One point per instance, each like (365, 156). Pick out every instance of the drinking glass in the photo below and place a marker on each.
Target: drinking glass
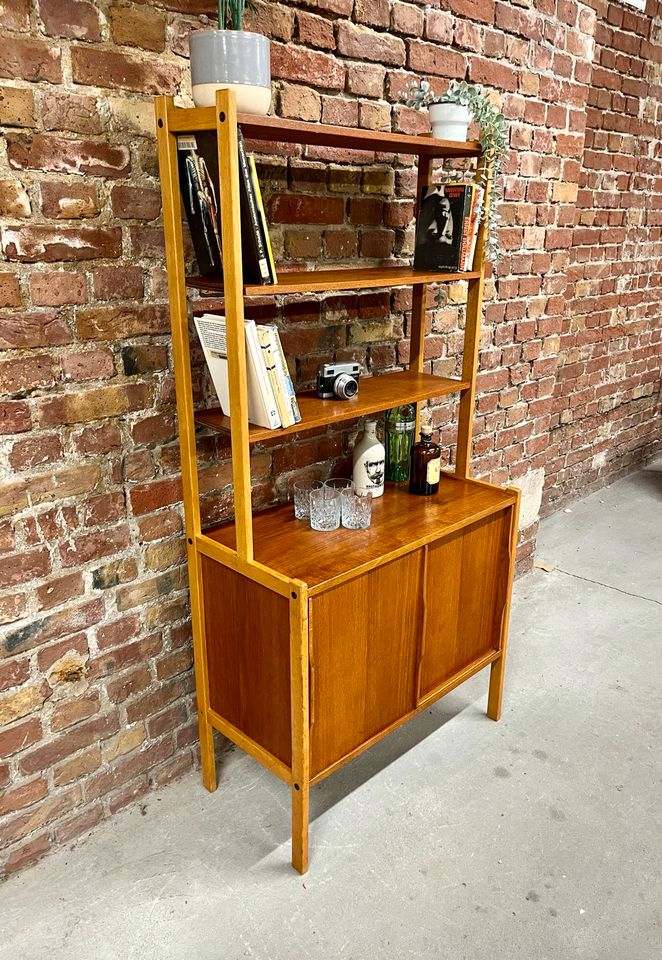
(325, 509)
(302, 489)
(356, 509)
(339, 483)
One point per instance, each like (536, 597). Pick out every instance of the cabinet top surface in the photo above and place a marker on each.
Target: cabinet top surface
(400, 522)
(276, 129)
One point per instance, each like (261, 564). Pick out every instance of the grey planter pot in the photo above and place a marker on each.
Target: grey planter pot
(236, 59)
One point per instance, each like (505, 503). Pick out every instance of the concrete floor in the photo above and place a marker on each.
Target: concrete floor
(538, 837)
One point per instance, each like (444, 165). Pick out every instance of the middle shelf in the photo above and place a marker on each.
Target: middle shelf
(340, 278)
(375, 394)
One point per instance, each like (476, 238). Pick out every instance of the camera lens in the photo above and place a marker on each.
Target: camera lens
(345, 386)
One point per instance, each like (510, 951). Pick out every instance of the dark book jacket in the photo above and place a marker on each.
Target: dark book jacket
(199, 184)
(443, 217)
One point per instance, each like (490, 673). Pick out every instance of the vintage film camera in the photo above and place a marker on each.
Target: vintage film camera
(338, 380)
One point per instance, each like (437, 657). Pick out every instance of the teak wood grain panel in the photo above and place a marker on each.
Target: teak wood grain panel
(338, 278)
(375, 394)
(465, 596)
(276, 129)
(247, 632)
(365, 638)
(400, 522)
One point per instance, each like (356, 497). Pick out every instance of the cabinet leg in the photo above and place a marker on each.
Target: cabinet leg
(207, 755)
(495, 695)
(300, 826)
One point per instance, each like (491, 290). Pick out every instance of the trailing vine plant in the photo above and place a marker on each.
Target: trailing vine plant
(231, 13)
(493, 142)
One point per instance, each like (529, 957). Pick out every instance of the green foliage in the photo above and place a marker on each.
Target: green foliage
(231, 13)
(493, 141)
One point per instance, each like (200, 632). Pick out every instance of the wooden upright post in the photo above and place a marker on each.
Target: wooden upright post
(233, 291)
(471, 346)
(419, 293)
(300, 709)
(174, 249)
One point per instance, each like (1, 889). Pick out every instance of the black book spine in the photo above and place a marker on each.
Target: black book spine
(262, 273)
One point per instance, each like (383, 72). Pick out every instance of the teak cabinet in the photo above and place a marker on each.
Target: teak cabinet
(311, 646)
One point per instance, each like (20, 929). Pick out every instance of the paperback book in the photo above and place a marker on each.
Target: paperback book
(443, 232)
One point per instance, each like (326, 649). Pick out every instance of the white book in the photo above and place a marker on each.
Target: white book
(262, 409)
(271, 363)
(283, 372)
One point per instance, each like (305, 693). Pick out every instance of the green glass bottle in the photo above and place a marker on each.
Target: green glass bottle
(398, 438)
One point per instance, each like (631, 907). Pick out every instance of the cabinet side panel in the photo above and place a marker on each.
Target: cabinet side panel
(248, 654)
(467, 586)
(365, 637)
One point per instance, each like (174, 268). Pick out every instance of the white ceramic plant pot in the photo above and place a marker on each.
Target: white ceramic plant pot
(234, 59)
(449, 121)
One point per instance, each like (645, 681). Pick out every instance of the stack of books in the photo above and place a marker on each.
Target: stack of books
(272, 401)
(447, 227)
(198, 179)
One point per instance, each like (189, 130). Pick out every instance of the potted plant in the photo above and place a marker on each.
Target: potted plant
(231, 57)
(450, 116)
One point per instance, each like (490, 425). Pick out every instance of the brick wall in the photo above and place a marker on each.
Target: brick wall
(95, 680)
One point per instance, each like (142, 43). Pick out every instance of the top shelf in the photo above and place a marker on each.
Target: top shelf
(275, 129)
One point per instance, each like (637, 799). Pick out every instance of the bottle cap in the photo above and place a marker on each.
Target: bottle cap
(426, 429)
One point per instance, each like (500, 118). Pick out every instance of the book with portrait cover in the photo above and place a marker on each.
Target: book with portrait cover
(443, 226)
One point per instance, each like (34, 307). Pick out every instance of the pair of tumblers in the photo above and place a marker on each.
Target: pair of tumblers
(328, 504)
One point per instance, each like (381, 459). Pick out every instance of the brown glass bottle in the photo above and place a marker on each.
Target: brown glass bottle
(425, 465)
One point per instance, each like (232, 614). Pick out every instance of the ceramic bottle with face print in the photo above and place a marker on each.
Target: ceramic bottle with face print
(369, 461)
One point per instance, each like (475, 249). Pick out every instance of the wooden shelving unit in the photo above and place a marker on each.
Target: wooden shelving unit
(309, 647)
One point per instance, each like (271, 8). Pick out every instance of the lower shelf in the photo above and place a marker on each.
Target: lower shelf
(400, 523)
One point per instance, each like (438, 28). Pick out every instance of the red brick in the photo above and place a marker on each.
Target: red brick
(118, 283)
(315, 31)
(431, 58)
(63, 111)
(482, 10)
(35, 451)
(30, 60)
(289, 208)
(60, 590)
(58, 288)
(136, 203)
(14, 673)
(18, 376)
(73, 711)
(137, 27)
(22, 796)
(36, 243)
(76, 738)
(92, 546)
(492, 74)
(88, 365)
(19, 736)
(306, 66)
(15, 15)
(111, 69)
(364, 44)
(79, 824)
(68, 201)
(10, 291)
(39, 329)
(93, 404)
(73, 19)
(40, 631)
(111, 323)
(27, 853)
(47, 151)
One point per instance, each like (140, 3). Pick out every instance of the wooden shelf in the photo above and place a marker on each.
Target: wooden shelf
(340, 278)
(375, 394)
(275, 129)
(400, 522)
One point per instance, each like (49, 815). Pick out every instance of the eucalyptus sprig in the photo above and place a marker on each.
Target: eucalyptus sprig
(231, 13)
(493, 142)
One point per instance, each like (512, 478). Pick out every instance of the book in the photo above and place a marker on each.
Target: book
(476, 217)
(443, 218)
(212, 332)
(253, 246)
(199, 185)
(272, 366)
(466, 227)
(263, 219)
(283, 372)
(198, 179)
